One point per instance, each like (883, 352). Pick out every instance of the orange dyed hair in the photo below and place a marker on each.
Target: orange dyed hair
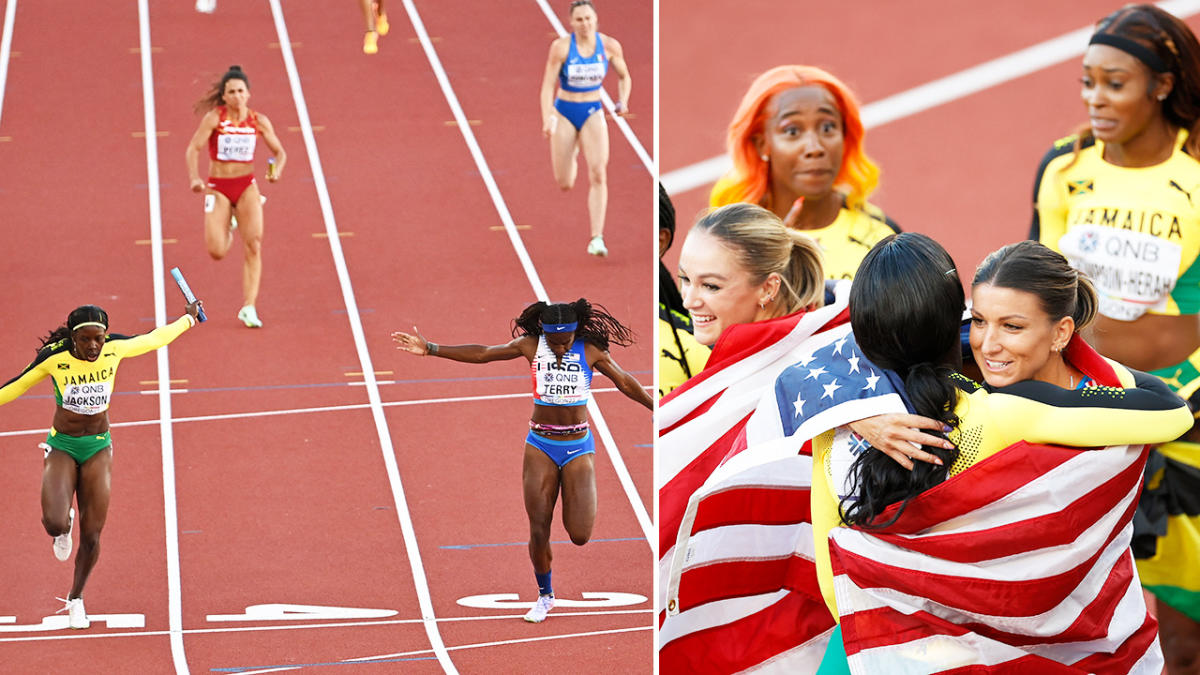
(749, 178)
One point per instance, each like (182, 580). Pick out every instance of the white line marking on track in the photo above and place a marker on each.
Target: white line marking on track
(498, 643)
(614, 453)
(608, 102)
(170, 509)
(364, 357)
(73, 635)
(302, 411)
(937, 92)
(10, 17)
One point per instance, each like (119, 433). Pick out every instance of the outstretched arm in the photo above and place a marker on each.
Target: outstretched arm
(21, 384)
(161, 336)
(417, 344)
(626, 383)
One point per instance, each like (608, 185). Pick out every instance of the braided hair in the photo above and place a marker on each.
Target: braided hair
(596, 325)
(79, 315)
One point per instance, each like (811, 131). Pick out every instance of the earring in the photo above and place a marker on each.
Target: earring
(1162, 97)
(765, 158)
(762, 305)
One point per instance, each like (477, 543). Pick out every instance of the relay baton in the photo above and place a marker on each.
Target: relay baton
(187, 292)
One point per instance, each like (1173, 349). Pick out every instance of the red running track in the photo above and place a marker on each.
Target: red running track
(281, 488)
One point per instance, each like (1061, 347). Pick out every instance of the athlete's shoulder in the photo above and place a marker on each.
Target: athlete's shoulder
(1065, 147)
(876, 214)
(44, 354)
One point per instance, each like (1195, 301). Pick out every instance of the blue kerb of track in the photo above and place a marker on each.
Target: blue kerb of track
(290, 666)
(467, 547)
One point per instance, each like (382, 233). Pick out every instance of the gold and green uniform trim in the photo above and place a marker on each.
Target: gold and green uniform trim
(82, 448)
(1134, 230)
(86, 387)
(991, 420)
(1166, 546)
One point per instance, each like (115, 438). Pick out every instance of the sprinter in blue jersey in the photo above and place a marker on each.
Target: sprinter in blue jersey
(564, 343)
(574, 119)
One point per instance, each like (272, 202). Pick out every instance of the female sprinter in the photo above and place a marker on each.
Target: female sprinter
(564, 343)
(905, 312)
(229, 129)
(1121, 201)
(797, 144)
(754, 290)
(377, 25)
(82, 358)
(574, 119)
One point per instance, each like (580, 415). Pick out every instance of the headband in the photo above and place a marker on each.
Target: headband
(89, 323)
(1134, 49)
(559, 327)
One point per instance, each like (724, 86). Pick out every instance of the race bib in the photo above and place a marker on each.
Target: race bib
(561, 384)
(236, 147)
(87, 399)
(582, 75)
(1133, 272)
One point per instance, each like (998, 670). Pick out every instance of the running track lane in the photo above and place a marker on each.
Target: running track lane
(446, 300)
(223, 464)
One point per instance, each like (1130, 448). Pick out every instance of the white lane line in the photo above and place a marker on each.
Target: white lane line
(498, 643)
(937, 92)
(367, 368)
(170, 509)
(10, 18)
(303, 411)
(72, 635)
(608, 102)
(531, 274)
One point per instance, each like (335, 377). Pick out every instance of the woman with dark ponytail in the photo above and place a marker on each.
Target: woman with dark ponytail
(228, 133)
(978, 518)
(1121, 200)
(564, 343)
(914, 332)
(81, 356)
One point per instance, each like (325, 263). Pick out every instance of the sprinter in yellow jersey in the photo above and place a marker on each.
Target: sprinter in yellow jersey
(81, 358)
(1122, 201)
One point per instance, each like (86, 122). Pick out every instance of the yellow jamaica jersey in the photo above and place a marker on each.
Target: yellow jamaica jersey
(845, 241)
(1134, 231)
(86, 387)
(991, 421)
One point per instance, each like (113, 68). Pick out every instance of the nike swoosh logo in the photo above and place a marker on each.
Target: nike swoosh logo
(571, 452)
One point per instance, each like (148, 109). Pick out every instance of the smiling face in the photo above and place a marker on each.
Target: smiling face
(804, 140)
(717, 290)
(87, 342)
(1013, 338)
(236, 93)
(1120, 93)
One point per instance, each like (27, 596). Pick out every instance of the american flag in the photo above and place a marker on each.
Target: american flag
(740, 582)
(1042, 533)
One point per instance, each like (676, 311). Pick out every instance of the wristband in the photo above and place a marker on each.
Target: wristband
(431, 348)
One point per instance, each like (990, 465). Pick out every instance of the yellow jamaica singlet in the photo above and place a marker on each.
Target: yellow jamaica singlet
(1134, 231)
(86, 387)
